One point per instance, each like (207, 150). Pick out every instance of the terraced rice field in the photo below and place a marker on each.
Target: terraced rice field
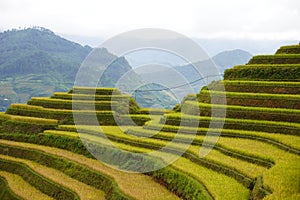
(255, 154)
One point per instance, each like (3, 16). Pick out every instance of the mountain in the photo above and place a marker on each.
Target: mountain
(37, 62)
(228, 59)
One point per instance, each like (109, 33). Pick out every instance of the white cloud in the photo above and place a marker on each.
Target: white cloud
(271, 19)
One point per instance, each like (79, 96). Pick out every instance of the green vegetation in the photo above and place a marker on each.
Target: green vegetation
(252, 86)
(275, 59)
(252, 141)
(249, 99)
(291, 49)
(5, 191)
(94, 91)
(178, 119)
(244, 112)
(264, 72)
(42, 183)
(22, 188)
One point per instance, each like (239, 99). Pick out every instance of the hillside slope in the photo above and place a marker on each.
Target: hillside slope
(255, 156)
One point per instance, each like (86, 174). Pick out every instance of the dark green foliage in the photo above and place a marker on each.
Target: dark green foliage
(276, 59)
(75, 105)
(292, 49)
(43, 184)
(242, 112)
(275, 73)
(179, 183)
(65, 116)
(5, 191)
(90, 97)
(248, 99)
(206, 122)
(94, 91)
(13, 126)
(257, 86)
(133, 120)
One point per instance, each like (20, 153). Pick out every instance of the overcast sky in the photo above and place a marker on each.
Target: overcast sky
(230, 19)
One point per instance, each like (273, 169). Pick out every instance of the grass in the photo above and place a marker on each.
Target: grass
(84, 191)
(22, 188)
(135, 185)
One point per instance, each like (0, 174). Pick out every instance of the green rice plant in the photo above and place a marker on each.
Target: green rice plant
(72, 104)
(178, 119)
(42, 183)
(94, 91)
(33, 120)
(81, 176)
(275, 59)
(280, 179)
(244, 112)
(134, 119)
(258, 72)
(68, 96)
(64, 116)
(291, 49)
(22, 188)
(138, 185)
(5, 191)
(210, 178)
(116, 134)
(198, 140)
(154, 111)
(272, 87)
(249, 99)
(30, 125)
(286, 142)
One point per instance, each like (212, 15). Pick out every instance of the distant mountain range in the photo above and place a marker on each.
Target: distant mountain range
(37, 62)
